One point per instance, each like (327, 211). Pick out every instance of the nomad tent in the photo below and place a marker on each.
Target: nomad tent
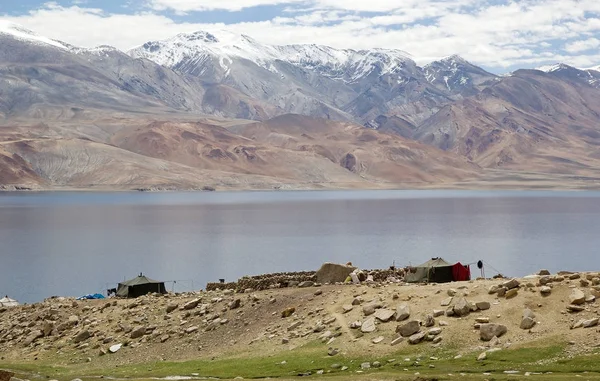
(439, 271)
(8, 302)
(141, 285)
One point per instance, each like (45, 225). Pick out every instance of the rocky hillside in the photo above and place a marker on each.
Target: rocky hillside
(473, 319)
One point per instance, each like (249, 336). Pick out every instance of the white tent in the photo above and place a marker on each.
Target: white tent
(8, 302)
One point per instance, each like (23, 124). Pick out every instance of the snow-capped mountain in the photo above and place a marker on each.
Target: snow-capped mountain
(19, 32)
(197, 48)
(456, 75)
(590, 76)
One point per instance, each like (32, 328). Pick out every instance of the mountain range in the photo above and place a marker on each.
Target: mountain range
(224, 110)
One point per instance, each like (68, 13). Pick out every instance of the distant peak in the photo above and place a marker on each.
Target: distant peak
(454, 58)
(554, 67)
(21, 33)
(200, 35)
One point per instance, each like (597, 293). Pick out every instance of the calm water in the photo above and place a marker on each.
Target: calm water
(78, 243)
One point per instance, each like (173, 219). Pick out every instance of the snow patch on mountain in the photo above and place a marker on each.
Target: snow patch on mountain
(224, 46)
(19, 32)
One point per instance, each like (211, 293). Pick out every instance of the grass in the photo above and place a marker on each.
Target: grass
(311, 358)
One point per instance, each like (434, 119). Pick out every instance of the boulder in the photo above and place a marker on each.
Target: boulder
(527, 323)
(545, 290)
(172, 307)
(446, 302)
(408, 329)
(429, 321)
(368, 325)
(32, 337)
(115, 348)
(82, 336)
(545, 280)
(577, 297)
(235, 304)
(402, 312)
(191, 304)
(288, 312)
(384, 315)
(543, 272)
(510, 284)
(369, 309)
(511, 293)
(416, 338)
(333, 273)
(138, 332)
(501, 292)
(528, 313)
(462, 307)
(590, 323)
(490, 330)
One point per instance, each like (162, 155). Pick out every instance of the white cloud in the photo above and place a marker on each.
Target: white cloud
(518, 32)
(582, 45)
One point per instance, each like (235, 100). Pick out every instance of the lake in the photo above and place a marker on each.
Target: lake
(73, 244)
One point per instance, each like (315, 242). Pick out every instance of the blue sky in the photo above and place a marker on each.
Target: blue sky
(499, 35)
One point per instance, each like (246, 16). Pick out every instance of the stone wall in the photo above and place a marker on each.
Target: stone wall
(279, 280)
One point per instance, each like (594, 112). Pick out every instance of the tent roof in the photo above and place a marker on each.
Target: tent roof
(8, 302)
(435, 262)
(140, 279)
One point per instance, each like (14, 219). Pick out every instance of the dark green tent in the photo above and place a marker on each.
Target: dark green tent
(140, 285)
(437, 270)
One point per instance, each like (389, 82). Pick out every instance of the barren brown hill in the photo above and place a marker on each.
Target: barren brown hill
(530, 121)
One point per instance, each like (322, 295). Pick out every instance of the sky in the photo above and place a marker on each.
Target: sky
(499, 35)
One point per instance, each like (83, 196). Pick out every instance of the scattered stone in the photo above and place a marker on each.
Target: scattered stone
(574, 276)
(543, 272)
(446, 302)
(397, 340)
(429, 321)
(347, 308)
(138, 332)
(590, 323)
(82, 336)
(191, 304)
(545, 280)
(527, 323)
(438, 313)
(434, 331)
(376, 364)
(462, 307)
(510, 284)
(306, 283)
(235, 304)
(191, 329)
(545, 290)
(6, 375)
(333, 351)
(384, 315)
(482, 320)
(285, 340)
(483, 305)
(501, 292)
(408, 329)
(489, 330)
(294, 325)
(416, 338)
(493, 289)
(368, 325)
(365, 365)
(357, 301)
(437, 339)
(574, 308)
(288, 312)
(377, 340)
(402, 312)
(318, 292)
(115, 348)
(172, 307)
(482, 356)
(369, 309)
(512, 293)
(577, 297)
(528, 313)
(333, 273)
(355, 324)
(451, 292)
